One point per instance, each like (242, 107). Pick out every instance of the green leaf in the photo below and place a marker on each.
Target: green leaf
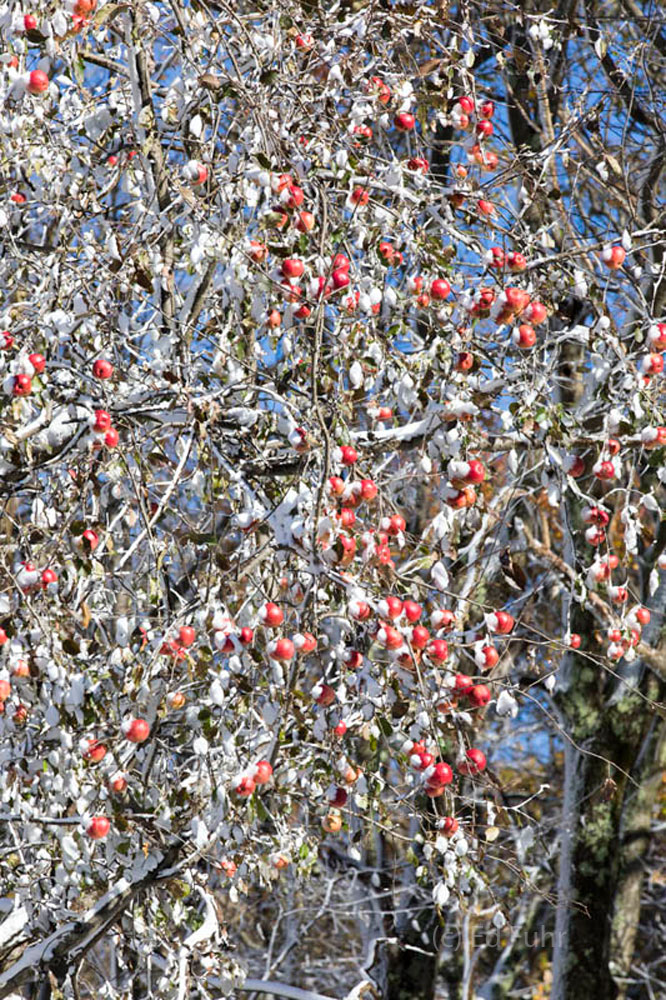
(79, 70)
(385, 726)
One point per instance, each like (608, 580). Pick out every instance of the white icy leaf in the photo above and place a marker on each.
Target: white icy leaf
(506, 704)
(356, 375)
(439, 575)
(440, 894)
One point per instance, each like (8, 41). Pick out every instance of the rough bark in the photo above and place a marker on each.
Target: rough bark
(610, 789)
(634, 844)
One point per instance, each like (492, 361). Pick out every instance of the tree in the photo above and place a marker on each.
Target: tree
(332, 457)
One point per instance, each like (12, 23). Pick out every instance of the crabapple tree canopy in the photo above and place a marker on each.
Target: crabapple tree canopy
(332, 440)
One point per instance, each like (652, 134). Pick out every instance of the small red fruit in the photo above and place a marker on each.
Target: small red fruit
(292, 267)
(441, 775)
(474, 763)
(463, 684)
(186, 634)
(38, 82)
(305, 222)
(359, 196)
(136, 730)
(326, 695)
(245, 787)
(271, 615)
(480, 695)
(102, 368)
(440, 289)
(413, 611)
(98, 827)
(420, 637)
(613, 257)
(118, 784)
(90, 538)
(396, 525)
(282, 649)
(524, 337)
(263, 772)
(404, 121)
(102, 420)
(22, 385)
(95, 751)
(438, 650)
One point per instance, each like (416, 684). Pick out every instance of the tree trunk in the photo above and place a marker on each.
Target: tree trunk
(610, 787)
(405, 967)
(634, 844)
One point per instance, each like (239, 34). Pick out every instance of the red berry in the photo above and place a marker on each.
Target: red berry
(441, 775)
(282, 649)
(404, 121)
(438, 650)
(397, 524)
(95, 751)
(474, 763)
(38, 362)
(102, 368)
(325, 696)
(292, 267)
(420, 637)
(98, 827)
(479, 695)
(186, 634)
(91, 539)
(136, 730)
(22, 385)
(263, 772)
(38, 82)
(463, 684)
(272, 615)
(360, 196)
(613, 257)
(440, 289)
(102, 420)
(413, 611)
(245, 787)
(338, 797)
